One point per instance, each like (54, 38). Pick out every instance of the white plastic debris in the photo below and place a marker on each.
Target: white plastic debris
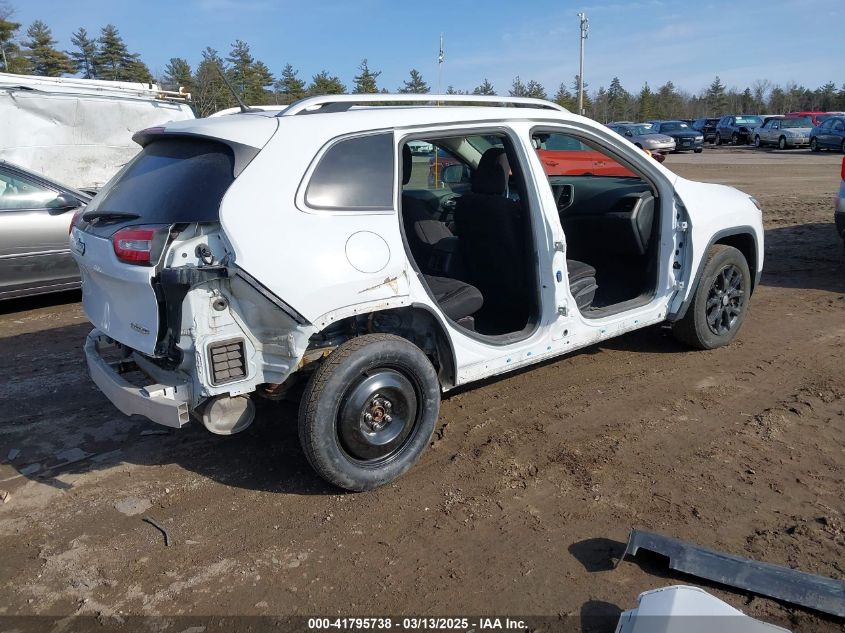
(683, 609)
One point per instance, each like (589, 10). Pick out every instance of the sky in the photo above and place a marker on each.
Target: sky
(639, 41)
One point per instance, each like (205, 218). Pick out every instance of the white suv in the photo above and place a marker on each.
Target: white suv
(256, 252)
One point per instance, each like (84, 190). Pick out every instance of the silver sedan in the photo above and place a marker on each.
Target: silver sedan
(640, 134)
(35, 216)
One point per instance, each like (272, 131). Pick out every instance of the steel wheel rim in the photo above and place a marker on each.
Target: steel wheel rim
(725, 300)
(377, 416)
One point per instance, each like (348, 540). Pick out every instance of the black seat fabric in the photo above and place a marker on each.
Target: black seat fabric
(582, 283)
(455, 298)
(492, 244)
(421, 230)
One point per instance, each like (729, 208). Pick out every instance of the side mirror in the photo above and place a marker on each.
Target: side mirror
(454, 175)
(64, 202)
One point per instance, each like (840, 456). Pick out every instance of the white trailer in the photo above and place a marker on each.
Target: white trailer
(79, 131)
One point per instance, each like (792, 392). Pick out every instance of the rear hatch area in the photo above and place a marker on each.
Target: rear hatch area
(121, 239)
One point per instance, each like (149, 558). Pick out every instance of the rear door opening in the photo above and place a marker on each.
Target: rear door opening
(120, 240)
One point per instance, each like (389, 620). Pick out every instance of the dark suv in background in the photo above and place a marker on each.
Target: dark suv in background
(707, 127)
(686, 138)
(736, 128)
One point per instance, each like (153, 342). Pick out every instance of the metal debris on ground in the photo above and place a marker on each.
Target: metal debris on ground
(5, 496)
(159, 526)
(774, 581)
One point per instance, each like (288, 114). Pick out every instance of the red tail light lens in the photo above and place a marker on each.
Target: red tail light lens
(140, 245)
(73, 221)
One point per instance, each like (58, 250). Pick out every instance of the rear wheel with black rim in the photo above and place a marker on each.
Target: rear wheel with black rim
(735, 138)
(720, 302)
(369, 411)
(814, 144)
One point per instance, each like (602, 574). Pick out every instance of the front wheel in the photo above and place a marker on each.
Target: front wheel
(814, 144)
(757, 142)
(720, 302)
(718, 139)
(782, 142)
(369, 411)
(698, 150)
(735, 139)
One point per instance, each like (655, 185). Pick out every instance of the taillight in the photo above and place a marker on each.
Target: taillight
(75, 219)
(139, 245)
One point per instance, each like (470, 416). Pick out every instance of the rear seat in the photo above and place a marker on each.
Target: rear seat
(457, 299)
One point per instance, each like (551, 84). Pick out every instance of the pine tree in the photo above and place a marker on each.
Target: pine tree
(210, 93)
(717, 101)
(177, 74)
(324, 84)
(535, 90)
(248, 76)
(85, 53)
(618, 101)
(518, 88)
(486, 89)
(670, 104)
(289, 86)
(645, 109)
(44, 59)
(365, 82)
(114, 61)
(564, 98)
(415, 84)
(10, 53)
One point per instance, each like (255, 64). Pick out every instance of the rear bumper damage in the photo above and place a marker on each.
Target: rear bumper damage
(166, 404)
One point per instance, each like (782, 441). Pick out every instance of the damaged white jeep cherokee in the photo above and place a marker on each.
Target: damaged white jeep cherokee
(245, 254)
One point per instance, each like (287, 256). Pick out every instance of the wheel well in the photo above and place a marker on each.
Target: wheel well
(744, 243)
(415, 324)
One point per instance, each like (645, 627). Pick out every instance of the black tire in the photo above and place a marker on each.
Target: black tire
(734, 139)
(814, 144)
(380, 376)
(718, 139)
(782, 142)
(720, 303)
(757, 142)
(698, 150)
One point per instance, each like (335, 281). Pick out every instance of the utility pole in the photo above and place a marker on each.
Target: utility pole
(584, 25)
(440, 58)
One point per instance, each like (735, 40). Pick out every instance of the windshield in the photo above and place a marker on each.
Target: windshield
(672, 126)
(748, 120)
(804, 121)
(639, 130)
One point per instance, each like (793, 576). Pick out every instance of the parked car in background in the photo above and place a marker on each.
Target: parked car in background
(839, 211)
(813, 115)
(828, 115)
(643, 136)
(707, 127)
(736, 128)
(418, 148)
(829, 135)
(686, 138)
(786, 132)
(35, 219)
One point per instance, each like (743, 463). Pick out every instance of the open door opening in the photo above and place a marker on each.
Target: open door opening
(467, 225)
(610, 217)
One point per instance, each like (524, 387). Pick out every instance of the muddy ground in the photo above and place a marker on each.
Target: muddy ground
(521, 505)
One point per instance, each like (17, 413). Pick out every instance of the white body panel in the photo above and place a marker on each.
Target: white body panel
(329, 265)
(76, 131)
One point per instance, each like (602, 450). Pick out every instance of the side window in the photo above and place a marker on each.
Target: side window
(564, 155)
(17, 193)
(434, 166)
(775, 124)
(838, 125)
(354, 174)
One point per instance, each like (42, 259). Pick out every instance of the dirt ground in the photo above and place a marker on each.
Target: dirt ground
(523, 502)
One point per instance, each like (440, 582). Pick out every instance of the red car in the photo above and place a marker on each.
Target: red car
(813, 115)
(565, 156)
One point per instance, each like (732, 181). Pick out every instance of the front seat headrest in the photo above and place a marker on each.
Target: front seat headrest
(491, 176)
(406, 164)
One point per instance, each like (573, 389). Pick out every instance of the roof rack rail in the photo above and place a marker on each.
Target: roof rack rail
(341, 103)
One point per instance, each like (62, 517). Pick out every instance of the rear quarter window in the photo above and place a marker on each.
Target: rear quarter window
(354, 174)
